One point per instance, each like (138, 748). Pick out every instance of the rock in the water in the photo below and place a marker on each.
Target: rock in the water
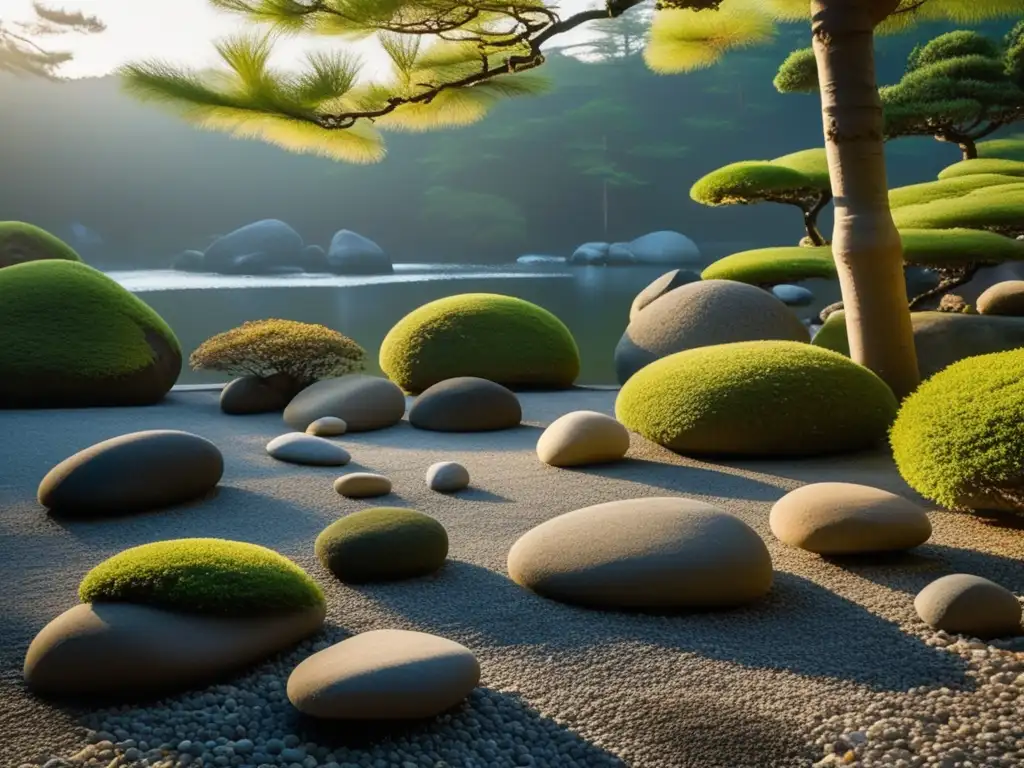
(382, 544)
(362, 485)
(133, 473)
(846, 518)
(667, 282)
(582, 437)
(447, 477)
(1005, 298)
(363, 402)
(314, 259)
(668, 248)
(251, 394)
(969, 605)
(384, 674)
(590, 254)
(280, 244)
(654, 553)
(327, 426)
(703, 314)
(188, 261)
(466, 404)
(793, 295)
(300, 448)
(129, 649)
(353, 254)
(619, 255)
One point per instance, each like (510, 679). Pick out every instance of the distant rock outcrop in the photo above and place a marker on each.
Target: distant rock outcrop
(258, 248)
(662, 248)
(352, 254)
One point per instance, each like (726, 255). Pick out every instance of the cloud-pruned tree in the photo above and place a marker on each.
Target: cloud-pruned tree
(21, 48)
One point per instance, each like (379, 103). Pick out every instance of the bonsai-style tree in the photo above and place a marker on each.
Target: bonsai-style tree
(20, 51)
(800, 179)
(481, 51)
(959, 87)
(998, 209)
(947, 188)
(768, 267)
(987, 165)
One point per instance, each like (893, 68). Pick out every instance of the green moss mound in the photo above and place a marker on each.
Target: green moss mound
(992, 209)
(812, 163)
(382, 544)
(956, 247)
(757, 398)
(832, 334)
(64, 317)
(1010, 148)
(500, 338)
(21, 242)
(208, 576)
(983, 165)
(750, 182)
(959, 438)
(773, 266)
(958, 186)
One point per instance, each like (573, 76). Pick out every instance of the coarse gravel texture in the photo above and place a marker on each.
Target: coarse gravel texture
(833, 667)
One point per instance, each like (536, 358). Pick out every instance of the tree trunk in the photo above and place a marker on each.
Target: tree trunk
(968, 146)
(865, 243)
(811, 218)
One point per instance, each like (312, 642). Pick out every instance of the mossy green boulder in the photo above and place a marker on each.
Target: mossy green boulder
(500, 338)
(21, 242)
(75, 338)
(206, 576)
(757, 398)
(959, 438)
(382, 544)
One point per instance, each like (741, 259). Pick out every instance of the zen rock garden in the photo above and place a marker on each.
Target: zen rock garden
(471, 560)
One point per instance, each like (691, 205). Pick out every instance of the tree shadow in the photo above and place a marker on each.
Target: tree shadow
(479, 495)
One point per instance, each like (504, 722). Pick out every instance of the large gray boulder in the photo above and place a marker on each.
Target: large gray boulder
(363, 402)
(662, 285)
(279, 244)
(590, 254)
(188, 261)
(667, 248)
(620, 255)
(703, 314)
(352, 254)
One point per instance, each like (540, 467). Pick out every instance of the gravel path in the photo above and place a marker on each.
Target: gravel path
(832, 667)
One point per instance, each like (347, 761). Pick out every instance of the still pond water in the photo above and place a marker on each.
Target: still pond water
(592, 301)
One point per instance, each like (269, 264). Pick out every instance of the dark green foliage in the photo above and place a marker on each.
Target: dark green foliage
(21, 242)
(798, 73)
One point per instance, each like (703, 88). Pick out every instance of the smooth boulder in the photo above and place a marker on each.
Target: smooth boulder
(666, 247)
(363, 402)
(590, 254)
(250, 395)
(300, 448)
(466, 404)
(582, 437)
(652, 553)
(846, 518)
(133, 473)
(362, 485)
(327, 426)
(384, 674)
(447, 477)
(352, 254)
(702, 314)
(969, 605)
(188, 261)
(279, 243)
(659, 287)
(1005, 298)
(127, 649)
(793, 295)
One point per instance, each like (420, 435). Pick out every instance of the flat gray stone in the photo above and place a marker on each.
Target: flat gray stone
(364, 403)
(300, 448)
(466, 404)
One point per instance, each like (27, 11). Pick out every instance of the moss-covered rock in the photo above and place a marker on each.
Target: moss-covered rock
(75, 338)
(21, 242)
(500, 338)
(760, 398)
(959, 438)
(382, 544)
(208, 576)
(774, 266)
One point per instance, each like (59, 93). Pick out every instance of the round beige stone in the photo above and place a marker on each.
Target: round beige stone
(385, 674)
(1005, 298)
(846, 518)
(654, 553)
(582, 437)
(327, 426)
(362, 485)
(969, 605)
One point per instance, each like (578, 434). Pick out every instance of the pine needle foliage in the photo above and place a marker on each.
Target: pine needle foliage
(21, 52)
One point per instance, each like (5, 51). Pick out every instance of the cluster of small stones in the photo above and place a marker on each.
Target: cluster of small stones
(251, 724)
(977, 723)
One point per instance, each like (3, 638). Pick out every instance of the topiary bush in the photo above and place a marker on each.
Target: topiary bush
(501, 338)
(983, 165)
(773, 266)
(382, 544)
(21, 242)
(302, 352)
(957, 186)
(757, 398)
(959, 438)
(993, 208)
(208, 576)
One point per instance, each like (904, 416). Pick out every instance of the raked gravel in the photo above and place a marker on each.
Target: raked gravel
(832, 668)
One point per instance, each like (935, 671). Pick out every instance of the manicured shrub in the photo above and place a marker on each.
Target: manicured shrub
(209, 576)
(304, 352)
(774, 266)
(500, 338)
(1010, 148)
(992, 208)
(959, 438)
(21, 242)
(957, 186)
(382, 544)
(757, 398)
(983, 165)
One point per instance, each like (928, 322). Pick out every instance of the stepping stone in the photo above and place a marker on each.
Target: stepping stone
(385, 674)
(582, 437)
(364, 403)
(300, 448)
(969, 605)
(447, 477)
(466, 404)
(133, 473)
(654, 553)
(845, 518)
(249, 395)
(361, 485)
(327, 426)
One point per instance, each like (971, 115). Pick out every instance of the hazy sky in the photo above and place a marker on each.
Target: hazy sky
(177, 30)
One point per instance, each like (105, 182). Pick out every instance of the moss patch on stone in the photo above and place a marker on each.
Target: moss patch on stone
(21, 242)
